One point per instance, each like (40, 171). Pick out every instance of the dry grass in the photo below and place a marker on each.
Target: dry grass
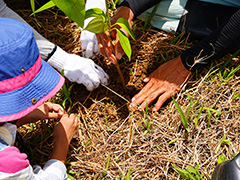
(110, 131)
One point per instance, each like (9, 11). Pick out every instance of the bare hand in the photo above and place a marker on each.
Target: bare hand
(64, 131)
(163, 83)
(43, 112)
(103, 39)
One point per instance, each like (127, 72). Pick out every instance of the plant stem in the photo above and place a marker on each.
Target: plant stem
(112, 47)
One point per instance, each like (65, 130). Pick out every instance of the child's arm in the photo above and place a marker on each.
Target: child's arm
(44, 111)
(55, 169)
(64, 131)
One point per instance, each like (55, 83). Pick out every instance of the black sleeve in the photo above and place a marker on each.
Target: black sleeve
(223, 40)
(139, 6)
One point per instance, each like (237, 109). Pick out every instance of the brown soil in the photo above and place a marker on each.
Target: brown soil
(129, 139)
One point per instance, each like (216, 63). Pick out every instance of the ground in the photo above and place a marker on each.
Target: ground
(116, 142)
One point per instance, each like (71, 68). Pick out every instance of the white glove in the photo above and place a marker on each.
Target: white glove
(78, 69)
(88, 39)
(89, 43)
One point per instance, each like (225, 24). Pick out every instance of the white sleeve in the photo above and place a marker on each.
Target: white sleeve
(53, 169)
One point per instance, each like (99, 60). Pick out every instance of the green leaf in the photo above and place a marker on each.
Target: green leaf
(106, 167)
(70, 177)
(44, 7)
(97, 25)
(183, 118)
(183, 173)
(95, 12)
(228, 142)
(74, 9)
(189, 107)
(32, 5)
(124, 41)
(124, 24)
(172, 141)
(223, 140)
(213, 110)
(228, 61)
(221, 159)
(191, 176)
(194, 171)
(233, 71)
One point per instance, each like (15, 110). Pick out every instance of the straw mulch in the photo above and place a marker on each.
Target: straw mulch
(114, 140)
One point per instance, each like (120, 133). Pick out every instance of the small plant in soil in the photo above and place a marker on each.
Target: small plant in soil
(101, 22)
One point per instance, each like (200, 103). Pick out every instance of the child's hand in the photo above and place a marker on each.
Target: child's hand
(43, 112)
(64, 131)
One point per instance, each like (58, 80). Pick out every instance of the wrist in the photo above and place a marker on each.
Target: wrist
(184, 70)
(30, 118)
(57, 60)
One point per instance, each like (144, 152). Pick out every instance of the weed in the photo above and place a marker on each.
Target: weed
(209, 110)
(70, 173)
(128, 176)
(189, 173)
(106, 167)
(223, 141)
(184, 118)
(236, 95)
(197, 113)
(66, 93)
(221, 159)
(229, 59)
(172, 141)
(87, 143)
(147, 121)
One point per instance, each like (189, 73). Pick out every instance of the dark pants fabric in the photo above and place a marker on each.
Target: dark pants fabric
(203, 18)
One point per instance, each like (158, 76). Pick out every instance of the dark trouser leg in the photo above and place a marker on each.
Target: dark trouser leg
(203, 18)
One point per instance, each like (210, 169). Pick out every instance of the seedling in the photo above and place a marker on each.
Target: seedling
(75, 10)
(101, 22)
(209, 110)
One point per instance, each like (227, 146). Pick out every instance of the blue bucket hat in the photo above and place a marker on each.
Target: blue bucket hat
(26, 81)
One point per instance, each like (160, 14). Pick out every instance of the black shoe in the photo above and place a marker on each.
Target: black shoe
(228, 170)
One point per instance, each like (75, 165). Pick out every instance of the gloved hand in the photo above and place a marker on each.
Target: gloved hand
(89, 43)
(78, 69)
(88, 39)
